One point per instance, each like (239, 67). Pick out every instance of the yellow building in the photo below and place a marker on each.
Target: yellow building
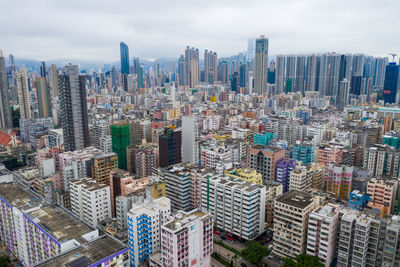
(102, 165)
(247, 175)
(157, 189)
(174, 113)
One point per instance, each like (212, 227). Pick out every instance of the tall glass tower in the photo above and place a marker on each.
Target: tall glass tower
(391, 83)
(261, 65)
(124, 50)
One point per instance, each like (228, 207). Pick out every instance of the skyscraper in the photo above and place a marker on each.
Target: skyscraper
(192, 66)
(23, 94)
(311, 73)
(300, 73)
(5, 110)
(261, 65)
(120, 141)
(181, 70)
(189, 136)
(170, 143)
(280, 74)
(344, 89)
(43, 97)
(290, 72)
(124, 50)
(54, 79)
(391, 83)
(251, 49)
(210, 66)
(244, 76)
(74, 115)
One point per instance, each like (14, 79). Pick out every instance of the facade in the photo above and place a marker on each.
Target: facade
(304, 152)
(120, 141)
(329, 154)
(263, 138)
(177, 180)
(338, 180)
(5, 109)
(383, 192)
(43, 97)
(124, 51)
(170, 145)
(231, 202)
(187, 240)
(263, 160)
(142, 158)
(284, 168)
(102, 165)
(73, 106)
(247, 175)
(90, 201)
(23, 94)
(391, 83)
(56, 137)
(144, 229)
(300, 179)
(291, 216)
(382, 160)
(261, 66)
(30, 128)
(323, 232)
(190, 147)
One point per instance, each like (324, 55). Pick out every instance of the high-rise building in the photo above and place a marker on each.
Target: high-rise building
(30, 128)
(344, 93)
(291, 214)
(391, 83)
(54, 79)
(300, 179)
(338, 180)
(5, 109)
(90, 201)
(323, 233)
(244, 76)
(102, 165)
(43, 97)
(280, 74)
(187, 240)
(210, 66)
(181, 70)
(144, 229)
(23, 94)
(261, 66)
(192, 72)
(383, 192)
(124, 51)
(190, 147)
(74, 115)
(263, 159)
(229, 200)
(283, 172)
(141, 159)
(170, 143)
(120, 141)
(311, 73)
(382, 160)
(300, 73)
(303, 151)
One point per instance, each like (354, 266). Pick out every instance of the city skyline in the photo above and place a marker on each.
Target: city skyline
(355, 27)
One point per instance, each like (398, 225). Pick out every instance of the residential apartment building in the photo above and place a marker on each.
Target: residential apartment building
(142, 158)
(382, 160)
(323, 232)
(187, 240)
(329, 154)
(383, 192)
(338, 180)
(300, 179)
(237, 206)
(291, 215)
(247, 175)
(102, 165)
(144, 229)
(284, 168)
(263, 159)
(90, 201)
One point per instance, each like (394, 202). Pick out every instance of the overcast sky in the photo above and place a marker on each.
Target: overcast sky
(92, 30)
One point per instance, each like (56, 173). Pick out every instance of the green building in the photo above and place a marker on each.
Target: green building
(263, 138)
(120, 141)
(393, 141)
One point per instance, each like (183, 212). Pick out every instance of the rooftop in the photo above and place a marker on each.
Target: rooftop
(296, 199)
(182, 218)
(91, 253)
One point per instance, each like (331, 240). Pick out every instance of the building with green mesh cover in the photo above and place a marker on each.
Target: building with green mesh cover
(120, 141)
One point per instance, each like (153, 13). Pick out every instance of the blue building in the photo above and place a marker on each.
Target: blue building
(358, 201)
(304, 115)
(124, 50)
(303, 152)
(391, 83)
(263, 138)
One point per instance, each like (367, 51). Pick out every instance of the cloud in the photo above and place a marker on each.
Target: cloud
(92, 30)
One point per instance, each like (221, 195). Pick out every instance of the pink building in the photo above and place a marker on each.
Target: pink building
(383, 192)
(123, 183)
(187, 239)
(50, 153)
(211, 123)
(338, 180)
(329, 154)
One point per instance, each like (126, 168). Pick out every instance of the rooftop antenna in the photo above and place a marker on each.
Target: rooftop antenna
(393, 55)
